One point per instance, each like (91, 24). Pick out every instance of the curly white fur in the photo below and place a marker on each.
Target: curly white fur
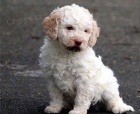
(75, 75)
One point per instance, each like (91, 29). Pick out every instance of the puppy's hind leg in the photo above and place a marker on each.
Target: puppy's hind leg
(56, 102)
(114, 102)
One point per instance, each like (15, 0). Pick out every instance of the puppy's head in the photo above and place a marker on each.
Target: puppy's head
(73, 26)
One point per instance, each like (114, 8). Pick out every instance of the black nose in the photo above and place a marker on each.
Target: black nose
(78, 43)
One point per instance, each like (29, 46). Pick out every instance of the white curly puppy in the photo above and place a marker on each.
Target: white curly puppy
(75, 75)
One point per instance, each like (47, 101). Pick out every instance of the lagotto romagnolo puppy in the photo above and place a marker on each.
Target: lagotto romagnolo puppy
(77, 78)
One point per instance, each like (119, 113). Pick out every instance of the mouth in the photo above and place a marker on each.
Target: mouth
(74, 48)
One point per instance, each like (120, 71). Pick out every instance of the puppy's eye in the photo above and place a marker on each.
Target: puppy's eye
(86, 30)
(70, 28)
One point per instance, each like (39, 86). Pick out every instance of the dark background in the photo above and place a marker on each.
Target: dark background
(23, 90)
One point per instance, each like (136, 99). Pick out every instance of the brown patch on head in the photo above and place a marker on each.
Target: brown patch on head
(51, 24)
(95, 34)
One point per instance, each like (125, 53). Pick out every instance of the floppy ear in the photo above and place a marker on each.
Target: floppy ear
(51, 24)
(94, 35)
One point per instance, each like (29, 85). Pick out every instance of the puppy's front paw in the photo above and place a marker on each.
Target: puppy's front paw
(77, 112)
(122, 108)
(52, 109)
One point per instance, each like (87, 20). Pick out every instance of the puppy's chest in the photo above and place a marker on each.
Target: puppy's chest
(65, 77)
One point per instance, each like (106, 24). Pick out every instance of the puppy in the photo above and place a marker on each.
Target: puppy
(77, 78)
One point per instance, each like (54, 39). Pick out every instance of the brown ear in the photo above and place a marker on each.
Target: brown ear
(51, 24)
(95, 34)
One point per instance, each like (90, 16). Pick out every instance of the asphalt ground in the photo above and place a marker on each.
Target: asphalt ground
(23, 88)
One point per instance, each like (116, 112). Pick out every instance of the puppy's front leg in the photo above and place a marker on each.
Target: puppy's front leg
(56, 102)
(82, 100)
